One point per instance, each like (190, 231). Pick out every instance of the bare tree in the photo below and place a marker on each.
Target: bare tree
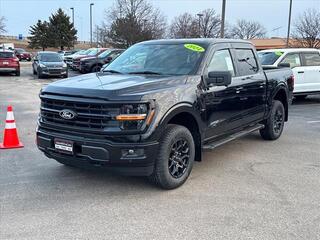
(306, 31)
(184, 26)
(210, 24)
(188, 26)
(244, 29)
(2, 25)
(132, 21)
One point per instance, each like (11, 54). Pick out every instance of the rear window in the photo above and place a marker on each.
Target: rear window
(246, 61)
(6, 54)
(269, 58)
(311, 59)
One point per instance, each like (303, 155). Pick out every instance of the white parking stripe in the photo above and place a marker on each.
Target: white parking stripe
(314, 121)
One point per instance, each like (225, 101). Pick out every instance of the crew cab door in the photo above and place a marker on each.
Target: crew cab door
(311, 66)
(252, 84)
(223, 111)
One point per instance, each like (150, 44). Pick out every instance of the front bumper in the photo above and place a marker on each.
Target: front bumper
(52, 72)
(101, 153)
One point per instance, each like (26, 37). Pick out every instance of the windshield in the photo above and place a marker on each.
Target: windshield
(50, 57)
(167, 59)
(104, 54)
(93, 52)
(83, 52)
(6, 55)
(269, 58)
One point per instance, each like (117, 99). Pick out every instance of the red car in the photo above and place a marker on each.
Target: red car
(92, 53)
(23, 54)
(9, 63)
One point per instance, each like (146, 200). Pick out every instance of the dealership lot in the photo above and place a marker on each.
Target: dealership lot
(247, 189)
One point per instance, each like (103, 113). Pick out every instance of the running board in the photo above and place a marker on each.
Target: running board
(213, 145)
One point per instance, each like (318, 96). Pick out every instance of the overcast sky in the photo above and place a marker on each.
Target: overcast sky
(20, 14)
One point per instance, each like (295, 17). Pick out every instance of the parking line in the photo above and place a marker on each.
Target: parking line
(314, 121)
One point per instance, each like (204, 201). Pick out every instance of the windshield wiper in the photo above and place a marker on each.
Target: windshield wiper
(112, 71)
(146, 72)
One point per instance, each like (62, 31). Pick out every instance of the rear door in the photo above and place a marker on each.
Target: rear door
(311, 65)
(252, 84)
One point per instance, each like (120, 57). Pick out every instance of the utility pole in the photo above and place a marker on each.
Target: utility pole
(289, 23)
(72, 9)
(91, 4)
(223, 18)
(200, 15)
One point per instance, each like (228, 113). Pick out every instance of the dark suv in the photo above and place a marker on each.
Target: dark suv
(95, 63)
(46, 64)
(154, 108)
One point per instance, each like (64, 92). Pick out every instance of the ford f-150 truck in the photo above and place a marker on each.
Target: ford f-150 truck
(154, 109)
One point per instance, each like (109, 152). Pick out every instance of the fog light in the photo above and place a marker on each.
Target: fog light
(132, 153)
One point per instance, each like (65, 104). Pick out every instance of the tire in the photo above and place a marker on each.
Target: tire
(301, 97)
(39, 75)
(18, 73)
(34, 72)
(96, 68)
(170, 170)
(275, 123)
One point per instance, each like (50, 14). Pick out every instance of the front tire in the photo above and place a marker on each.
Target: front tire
(18, 73)
(175, 157)
(96, 68)
(275, 123)
(301, 97)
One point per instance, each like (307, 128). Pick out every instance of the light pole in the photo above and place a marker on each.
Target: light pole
(223, 17)
(289, 23)
(91, 4)
(200, 15)
(72, 9)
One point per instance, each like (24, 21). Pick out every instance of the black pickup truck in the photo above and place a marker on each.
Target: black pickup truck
(159, 104)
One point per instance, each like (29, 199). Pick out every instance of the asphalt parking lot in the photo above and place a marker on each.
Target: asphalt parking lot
(246, 189)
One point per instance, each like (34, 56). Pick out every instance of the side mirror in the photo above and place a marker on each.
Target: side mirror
(222, 78)
(284, 65)
(108, 59)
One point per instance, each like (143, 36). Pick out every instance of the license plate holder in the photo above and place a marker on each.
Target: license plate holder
(64, 146)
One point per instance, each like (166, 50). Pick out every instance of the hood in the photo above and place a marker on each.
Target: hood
(114, 86)
(88, 58)
(53, 64)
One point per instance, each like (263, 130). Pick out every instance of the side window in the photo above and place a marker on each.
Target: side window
(311, 59)
(221, 61)
(246, 61)
(292, 59)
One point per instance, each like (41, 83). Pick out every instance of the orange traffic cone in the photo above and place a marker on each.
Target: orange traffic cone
(10, 137)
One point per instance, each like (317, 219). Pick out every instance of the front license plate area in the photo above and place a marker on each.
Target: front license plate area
(63, 146)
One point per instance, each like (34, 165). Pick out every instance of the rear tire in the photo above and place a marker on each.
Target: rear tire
(175, 157)
(96, 68)
(18, 73)
(275, 122)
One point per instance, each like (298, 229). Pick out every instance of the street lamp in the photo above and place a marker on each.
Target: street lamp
(223, 17)
(72, 9)
(91, 4)
(200, 15)
(289, 23)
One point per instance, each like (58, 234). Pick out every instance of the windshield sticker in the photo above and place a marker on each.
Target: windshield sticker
(278, 53)
(194, 47)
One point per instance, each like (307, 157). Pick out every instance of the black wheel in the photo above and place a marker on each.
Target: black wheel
(96, 68)
(275, 123)
(175, 157)
(39, 75)
(34, 72)
(301, 97)
(18, 73)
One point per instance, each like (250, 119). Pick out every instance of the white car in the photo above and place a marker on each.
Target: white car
(305, 64)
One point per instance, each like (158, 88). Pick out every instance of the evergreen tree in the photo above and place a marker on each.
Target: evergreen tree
(61, 31)
(39, 35)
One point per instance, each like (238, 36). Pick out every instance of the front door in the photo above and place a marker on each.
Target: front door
(311, 63)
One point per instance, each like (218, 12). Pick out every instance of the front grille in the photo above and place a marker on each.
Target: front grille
(54, 71)
(91, 117)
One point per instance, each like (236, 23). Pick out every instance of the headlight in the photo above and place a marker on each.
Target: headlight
(135, 116)
(64, 65)
(42, 65)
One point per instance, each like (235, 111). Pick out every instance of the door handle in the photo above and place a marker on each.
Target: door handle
(301, 72)
(238, 89)
(247, 78)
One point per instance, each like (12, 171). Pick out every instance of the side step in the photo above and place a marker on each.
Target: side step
(213, 145)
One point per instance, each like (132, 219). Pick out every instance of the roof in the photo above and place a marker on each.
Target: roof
(201, 41)
(44, 52)
(292, 50)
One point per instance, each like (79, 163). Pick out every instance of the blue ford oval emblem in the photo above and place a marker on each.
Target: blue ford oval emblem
(67, 114)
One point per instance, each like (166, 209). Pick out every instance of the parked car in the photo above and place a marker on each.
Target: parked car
(23, 54)
(9, 63)
(305, 64)
(94, 52)
(69, 58)
(47, 64)
(155, 107)
(68, 52)
(95, 63)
